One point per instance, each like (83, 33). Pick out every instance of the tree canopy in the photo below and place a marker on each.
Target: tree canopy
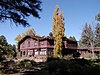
(18, 11)
(87, 38)
(58, 32)
(6, 48)
(29, 32)
(97, 35)
(87, 35)
(72, 38)
(98, 17)
(3, 40)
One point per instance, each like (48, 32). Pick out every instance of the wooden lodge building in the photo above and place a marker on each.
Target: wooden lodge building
(87, 53)
(39, 48)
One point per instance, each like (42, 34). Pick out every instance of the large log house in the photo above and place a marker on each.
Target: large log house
(39, 48)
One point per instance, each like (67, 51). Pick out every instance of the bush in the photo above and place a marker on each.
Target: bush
(8, 67)
(27, 63)
(57, 67)
(72, 67)
(51, 59)
(94, 70)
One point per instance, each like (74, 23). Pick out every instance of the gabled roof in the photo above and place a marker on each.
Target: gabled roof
(43, 38)
(33, 37)
(46, 38)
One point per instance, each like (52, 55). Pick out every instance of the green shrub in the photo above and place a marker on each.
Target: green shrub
(27, 63)
(72, 67)
(94, 70)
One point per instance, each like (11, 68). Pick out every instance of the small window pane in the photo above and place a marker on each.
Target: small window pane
(28, 44)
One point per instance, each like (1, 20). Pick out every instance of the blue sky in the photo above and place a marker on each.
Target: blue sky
(76, 14)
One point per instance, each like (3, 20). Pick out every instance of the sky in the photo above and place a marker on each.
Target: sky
(76, 14)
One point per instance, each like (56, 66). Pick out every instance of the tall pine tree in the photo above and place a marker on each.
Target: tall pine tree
(87, 38)
(84, 42)
(97, 35)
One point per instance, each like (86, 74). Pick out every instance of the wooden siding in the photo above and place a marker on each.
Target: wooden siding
(33, 44)
(35, 47)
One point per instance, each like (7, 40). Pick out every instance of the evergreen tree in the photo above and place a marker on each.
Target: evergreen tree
(97, 35)
(72, 38)
(98, 17)
(58, 32)
(87, 38)
(3, 40)
(6, 49)
(18, 11)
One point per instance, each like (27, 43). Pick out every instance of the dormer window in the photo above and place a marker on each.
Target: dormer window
(28, 43)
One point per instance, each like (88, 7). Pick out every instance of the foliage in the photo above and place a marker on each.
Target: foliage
(27, 63)
(72, 67)
(58, 32)
(49, 59)
(97, 35)
(18, 11)
(94, 70)
(6, 49)
(8, 67)
(87, 35)
(54, 66)
(76, 54)
(18, 37)
(3, 40)
(12, 50)
(98, 17)
(72, 38)
(68, 57)
(29, 32)
(50, 34)
(90, 38)
(87, 38)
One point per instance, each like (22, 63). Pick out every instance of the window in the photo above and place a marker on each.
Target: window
(24, 53)
(43, 52)
(30, 53)
(21, 53)
(28, 43)
(36, 52)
